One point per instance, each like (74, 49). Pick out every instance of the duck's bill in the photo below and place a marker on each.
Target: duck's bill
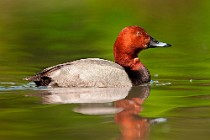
(154, 44)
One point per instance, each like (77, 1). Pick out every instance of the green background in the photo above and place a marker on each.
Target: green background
(35, 34)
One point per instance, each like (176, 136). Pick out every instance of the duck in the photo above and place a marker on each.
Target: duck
(126, 71)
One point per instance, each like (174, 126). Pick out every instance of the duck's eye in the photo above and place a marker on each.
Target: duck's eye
(139, 33)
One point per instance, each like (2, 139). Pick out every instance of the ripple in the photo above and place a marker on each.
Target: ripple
(157, 83)
(7, 86)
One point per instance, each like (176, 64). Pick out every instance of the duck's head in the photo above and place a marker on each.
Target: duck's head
(132, 39)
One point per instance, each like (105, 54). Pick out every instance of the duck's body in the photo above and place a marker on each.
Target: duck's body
(126, 71)
(90, 72)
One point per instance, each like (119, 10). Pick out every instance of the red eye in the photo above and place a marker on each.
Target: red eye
(139, 33)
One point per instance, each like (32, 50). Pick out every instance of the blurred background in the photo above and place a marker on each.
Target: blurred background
(35, 34)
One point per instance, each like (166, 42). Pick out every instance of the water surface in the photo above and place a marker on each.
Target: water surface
(36, 34)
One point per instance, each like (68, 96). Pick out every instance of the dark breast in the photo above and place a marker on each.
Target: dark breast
(138, 77)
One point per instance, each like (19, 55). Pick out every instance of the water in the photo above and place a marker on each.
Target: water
(37, 34)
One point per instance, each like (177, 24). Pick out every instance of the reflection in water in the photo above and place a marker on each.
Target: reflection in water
(133, 126)
(83, 95)
(125, 103)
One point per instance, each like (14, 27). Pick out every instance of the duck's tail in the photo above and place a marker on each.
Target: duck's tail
(32, 78)
(40, 80)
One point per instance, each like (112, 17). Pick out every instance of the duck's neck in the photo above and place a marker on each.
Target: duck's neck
(136, 71)
(126, 58)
